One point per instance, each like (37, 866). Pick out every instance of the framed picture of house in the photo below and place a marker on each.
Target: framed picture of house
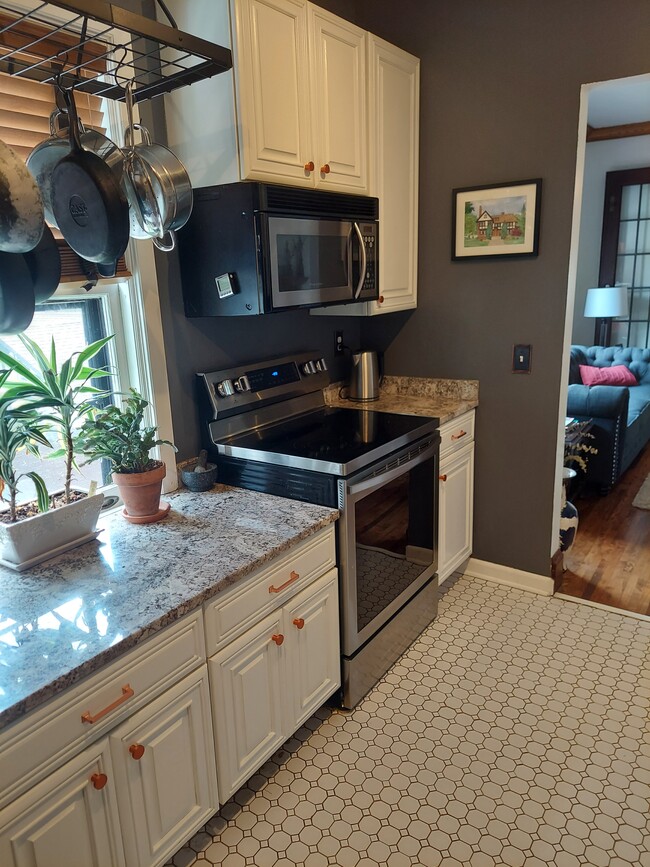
(496, 220)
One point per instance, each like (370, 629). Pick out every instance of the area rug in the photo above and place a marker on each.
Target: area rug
(642, 499)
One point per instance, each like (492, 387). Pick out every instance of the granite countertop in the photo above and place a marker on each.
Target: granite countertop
(444, 399)
(64, 619)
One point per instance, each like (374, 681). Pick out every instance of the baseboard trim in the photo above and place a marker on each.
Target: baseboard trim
(623, 611)
(509, 576)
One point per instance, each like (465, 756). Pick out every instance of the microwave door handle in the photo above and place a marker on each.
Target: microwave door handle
(364, 261)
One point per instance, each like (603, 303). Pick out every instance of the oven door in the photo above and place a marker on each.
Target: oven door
(387, 539)
(314, 262)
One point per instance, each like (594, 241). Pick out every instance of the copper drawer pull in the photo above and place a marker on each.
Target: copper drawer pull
(309, 167)
(137, 751)
(443, 478)
(279, 639)
(299, 623)
(99, 780)
(127, 692)
(293, 576)
(325, 170)
(459, 436)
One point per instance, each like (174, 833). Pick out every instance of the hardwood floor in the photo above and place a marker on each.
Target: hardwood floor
(610, 558)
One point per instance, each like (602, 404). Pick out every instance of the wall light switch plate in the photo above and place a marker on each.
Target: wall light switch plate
(521, 358)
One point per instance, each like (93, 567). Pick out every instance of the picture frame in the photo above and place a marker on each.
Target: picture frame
(496, 220)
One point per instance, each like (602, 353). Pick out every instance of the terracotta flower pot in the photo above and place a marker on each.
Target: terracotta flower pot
(140, 493)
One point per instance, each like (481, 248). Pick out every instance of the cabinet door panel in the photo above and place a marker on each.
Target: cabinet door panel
(273, 89)
(456, 509)
(338, 101)
(166, 794)
(65, 820)
(312, 628)
(245, 684)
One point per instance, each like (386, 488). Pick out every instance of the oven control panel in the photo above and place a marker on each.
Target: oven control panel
(237, 389)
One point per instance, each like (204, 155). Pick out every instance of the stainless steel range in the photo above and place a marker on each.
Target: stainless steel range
(268, 428)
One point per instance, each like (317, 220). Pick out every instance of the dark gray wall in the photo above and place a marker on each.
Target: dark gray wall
(500, 87)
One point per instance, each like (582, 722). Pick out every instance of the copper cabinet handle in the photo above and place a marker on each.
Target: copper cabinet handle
(443, 477)
(309, 167)
(293, 576)
(279, 639)
(325, 170)
(137, 751)
(299, 623)
(459, 436)
(380, 300)
(99, 780)
(127, 692)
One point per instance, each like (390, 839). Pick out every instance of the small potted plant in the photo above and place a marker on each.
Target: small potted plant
(119, 435)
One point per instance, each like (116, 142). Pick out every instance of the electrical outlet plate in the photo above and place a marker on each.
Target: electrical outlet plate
(338, 342)
(521, 357)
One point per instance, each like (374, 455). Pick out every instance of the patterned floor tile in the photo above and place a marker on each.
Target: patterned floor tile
(513, 732)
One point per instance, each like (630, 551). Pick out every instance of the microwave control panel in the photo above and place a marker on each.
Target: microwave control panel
(369, 234)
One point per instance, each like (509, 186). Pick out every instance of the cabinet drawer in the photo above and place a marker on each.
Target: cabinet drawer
(36, 745)
(230, 613)
(456, 433)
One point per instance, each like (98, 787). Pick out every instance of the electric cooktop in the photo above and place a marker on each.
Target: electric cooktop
(334, 440)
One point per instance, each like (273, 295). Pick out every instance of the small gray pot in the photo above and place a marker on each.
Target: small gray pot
(200, 481)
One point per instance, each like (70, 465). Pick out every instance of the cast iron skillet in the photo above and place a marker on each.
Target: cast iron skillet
(16, 294)
(44, 263)
(88, 202)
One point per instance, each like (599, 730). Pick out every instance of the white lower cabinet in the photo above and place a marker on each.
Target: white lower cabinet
(119, 770)
(267, 682)
(455, 502)
(70, 818)
(165, 771)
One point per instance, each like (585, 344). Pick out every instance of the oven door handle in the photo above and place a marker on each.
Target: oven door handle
(369, 485)
(364, 261)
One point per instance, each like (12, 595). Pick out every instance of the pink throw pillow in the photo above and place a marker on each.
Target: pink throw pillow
(618, 374)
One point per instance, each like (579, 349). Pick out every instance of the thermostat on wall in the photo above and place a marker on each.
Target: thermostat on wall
(226, 285)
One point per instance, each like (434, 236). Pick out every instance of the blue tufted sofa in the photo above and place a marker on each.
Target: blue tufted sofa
(621, 415)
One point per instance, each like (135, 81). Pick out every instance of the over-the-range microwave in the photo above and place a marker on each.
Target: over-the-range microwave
(252, 248)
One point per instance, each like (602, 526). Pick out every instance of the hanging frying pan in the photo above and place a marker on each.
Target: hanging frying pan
(89, 205)
(44, 263)
(21, 207)
(48, 153)
(16, 294)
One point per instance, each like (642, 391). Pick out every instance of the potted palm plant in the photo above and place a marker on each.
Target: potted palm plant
(120, 435)
(33, 402)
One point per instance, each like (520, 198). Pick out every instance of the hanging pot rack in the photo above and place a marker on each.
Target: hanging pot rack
(98, 47)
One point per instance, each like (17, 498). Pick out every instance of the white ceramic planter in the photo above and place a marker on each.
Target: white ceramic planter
(36, 539)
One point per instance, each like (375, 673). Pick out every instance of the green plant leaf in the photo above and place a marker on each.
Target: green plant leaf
(19, 368)
(89, 352)
(42, 496)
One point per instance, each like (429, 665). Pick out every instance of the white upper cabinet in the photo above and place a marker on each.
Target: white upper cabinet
(337, 72)
(270, 48)
(300, 76)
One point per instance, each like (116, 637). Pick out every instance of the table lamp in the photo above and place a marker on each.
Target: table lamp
(604, 303)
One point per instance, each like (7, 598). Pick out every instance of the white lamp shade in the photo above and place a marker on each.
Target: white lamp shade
(606, 301)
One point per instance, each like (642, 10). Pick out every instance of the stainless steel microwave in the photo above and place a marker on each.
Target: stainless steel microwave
(253, 248)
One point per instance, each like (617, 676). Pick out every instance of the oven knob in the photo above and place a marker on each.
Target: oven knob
(308, 368)
(321, 365)
(242, 384)
(225, 388)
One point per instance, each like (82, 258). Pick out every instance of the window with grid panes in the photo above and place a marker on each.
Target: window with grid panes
(625, 252)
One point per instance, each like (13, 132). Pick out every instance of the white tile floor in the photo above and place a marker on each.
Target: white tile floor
(513, 732)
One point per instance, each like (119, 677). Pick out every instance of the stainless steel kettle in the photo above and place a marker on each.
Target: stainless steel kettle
(366, 375)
